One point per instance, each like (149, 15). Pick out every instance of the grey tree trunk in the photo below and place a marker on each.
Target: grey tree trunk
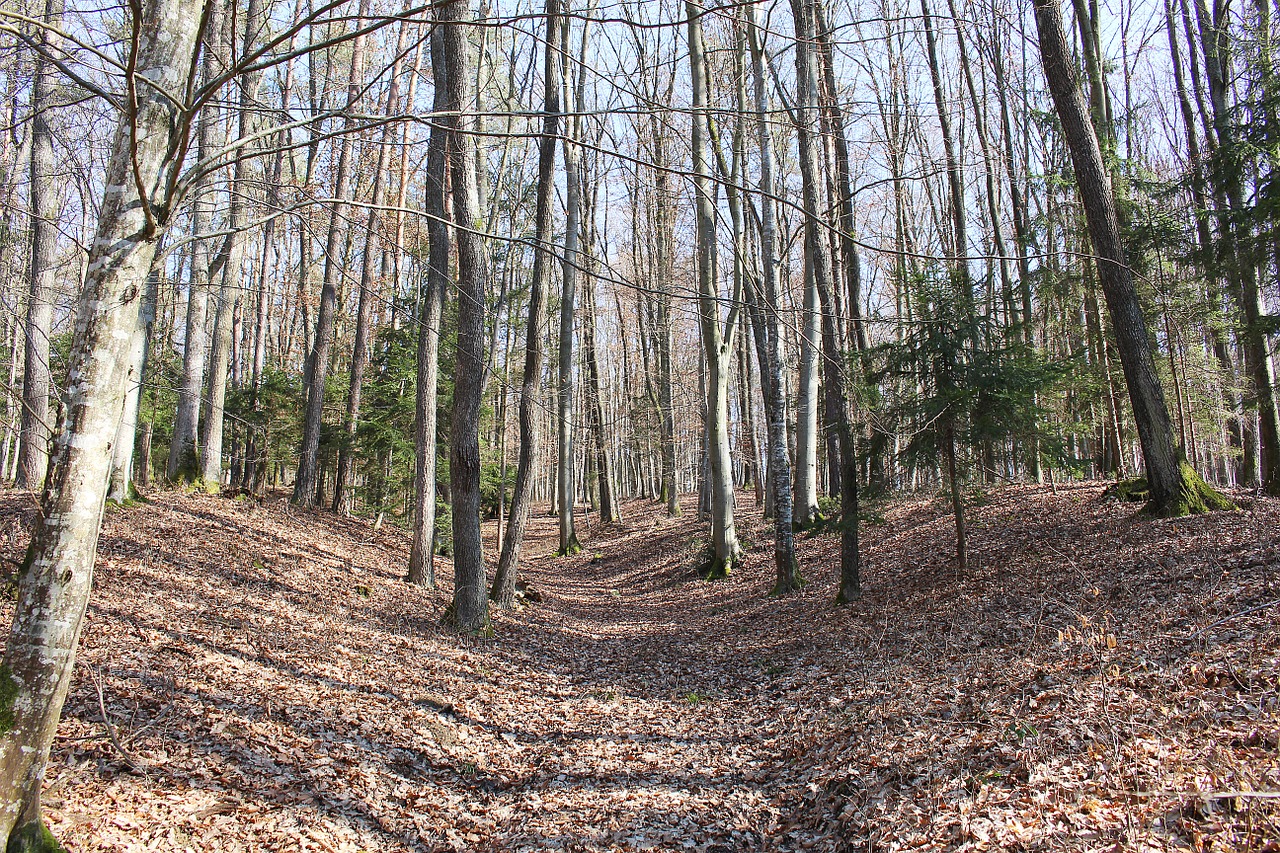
(717, 342)
(230, 259)
(572, 260)
(33, 450)
(421, 558)
(469, 611)
(1236, 235)
(121, 488)
(361, 351)
(504, 579)
(184, 450)
(836, 403)
(305, 485)
(779, 474)
(54, 589)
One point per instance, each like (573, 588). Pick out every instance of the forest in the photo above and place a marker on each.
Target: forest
(624, 425)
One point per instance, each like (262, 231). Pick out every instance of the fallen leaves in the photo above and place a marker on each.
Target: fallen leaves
(1096, 681)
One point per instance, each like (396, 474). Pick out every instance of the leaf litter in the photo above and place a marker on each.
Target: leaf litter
(254, 677)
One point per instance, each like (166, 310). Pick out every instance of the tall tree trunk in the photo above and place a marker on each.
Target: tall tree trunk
(1236, 235)
(819, 263)
(361, 351)
(305, 484)
(33, 451)
(1175, 487)
(54, 589)
(779, 474)
(530, 385)
(469, 611)
(184, 450)
(431, 311)
(230, 258)
(573, 219)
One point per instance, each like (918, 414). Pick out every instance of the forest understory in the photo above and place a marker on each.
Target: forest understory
(255, 677)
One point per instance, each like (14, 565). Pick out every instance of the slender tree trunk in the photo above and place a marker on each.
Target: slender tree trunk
(717, 342)
(431, 310)
(505, 578)
(305, 484)
(1236, 235)
(33, 451)
(573, 218)
(230, 258)
(779, 474)
(184, 450)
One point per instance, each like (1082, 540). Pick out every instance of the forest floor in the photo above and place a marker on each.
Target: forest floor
(256, 678)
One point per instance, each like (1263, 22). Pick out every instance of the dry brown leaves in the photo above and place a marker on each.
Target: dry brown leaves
(1095, 681)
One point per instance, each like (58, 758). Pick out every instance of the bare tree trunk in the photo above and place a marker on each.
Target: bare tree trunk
(573, 218)
(184, 449)
(717, 342)
(361, 351)
(54, 589)
(1236, 236)
(508, 562)
(305, 484)
(421, 556)
(33, 451)
(469, 611)
(779, 474)
(230, 259)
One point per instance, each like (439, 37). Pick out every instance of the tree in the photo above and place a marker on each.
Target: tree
(469, 611)
(504, 579)
(717, 341)
(33, 451)
(1176, 489)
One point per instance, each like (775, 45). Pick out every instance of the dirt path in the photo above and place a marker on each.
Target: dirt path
(273, 684)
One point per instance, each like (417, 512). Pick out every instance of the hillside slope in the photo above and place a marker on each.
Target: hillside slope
(1096, 681)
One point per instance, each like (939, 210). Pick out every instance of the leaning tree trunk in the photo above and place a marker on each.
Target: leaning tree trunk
(421, 559)
(33, 451)
(54, 589)
(469, 611)
(1176, 489)
(504, 579)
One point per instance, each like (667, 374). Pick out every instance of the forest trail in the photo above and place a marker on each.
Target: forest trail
(271, 684)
